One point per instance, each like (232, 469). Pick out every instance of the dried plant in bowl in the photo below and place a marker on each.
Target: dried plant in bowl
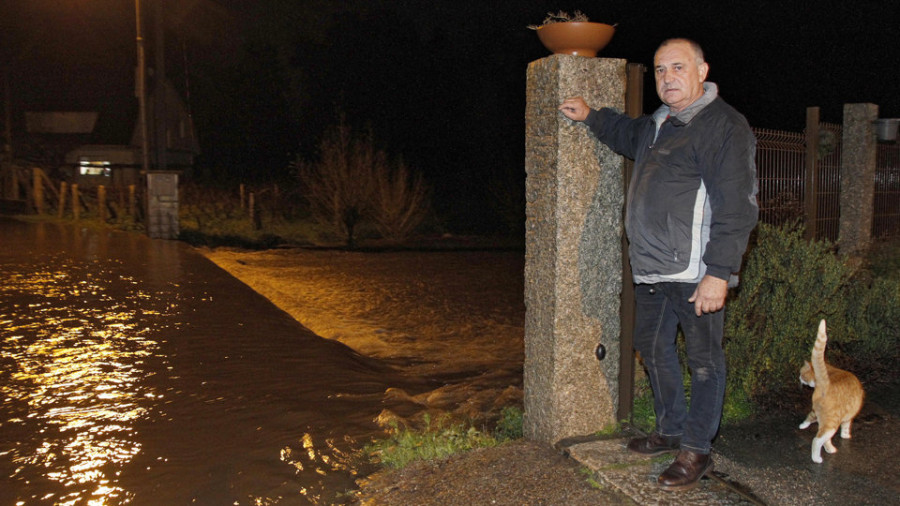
(562, 33)
(562, 17)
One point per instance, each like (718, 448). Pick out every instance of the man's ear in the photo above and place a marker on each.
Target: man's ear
(703, 70)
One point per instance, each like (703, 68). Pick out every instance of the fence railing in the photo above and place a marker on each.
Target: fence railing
(828, 182)
(781, 169)
(886, 217)
(780, 162)
(40, 194)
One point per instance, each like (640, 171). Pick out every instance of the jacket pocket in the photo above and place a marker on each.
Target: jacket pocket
(679, 243)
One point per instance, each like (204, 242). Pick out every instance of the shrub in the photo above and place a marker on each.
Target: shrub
(873, 316)
(884, 260)
(400, 200)
(339, 185)
(353, 183)
(788, 284)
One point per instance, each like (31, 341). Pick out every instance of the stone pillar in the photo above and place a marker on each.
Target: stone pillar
(162, 204)
(573, 258)
(858, 155)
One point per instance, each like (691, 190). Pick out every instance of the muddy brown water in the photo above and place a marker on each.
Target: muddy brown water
(136, 371)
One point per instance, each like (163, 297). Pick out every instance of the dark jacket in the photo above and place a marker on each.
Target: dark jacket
(692, 198)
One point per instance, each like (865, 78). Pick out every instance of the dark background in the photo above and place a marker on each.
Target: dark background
(441, 83)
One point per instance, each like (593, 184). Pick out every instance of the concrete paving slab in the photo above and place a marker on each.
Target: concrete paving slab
(767, 462)
(635, 475)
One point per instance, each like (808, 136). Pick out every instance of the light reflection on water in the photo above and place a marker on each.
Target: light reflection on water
(77, 354)
(134, 371)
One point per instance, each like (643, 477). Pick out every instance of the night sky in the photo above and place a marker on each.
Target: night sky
(441, 83)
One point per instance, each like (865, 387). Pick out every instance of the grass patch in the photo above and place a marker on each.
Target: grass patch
(610, 430)
(591, 478)
(441, 439)
(435, 442)
(510, 424)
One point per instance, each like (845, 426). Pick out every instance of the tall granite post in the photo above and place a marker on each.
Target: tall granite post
(573, 257)
(858, 158)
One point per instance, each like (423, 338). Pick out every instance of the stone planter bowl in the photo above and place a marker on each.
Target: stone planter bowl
(575, 38)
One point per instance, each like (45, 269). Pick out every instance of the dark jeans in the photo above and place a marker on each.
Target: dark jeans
(660, 309)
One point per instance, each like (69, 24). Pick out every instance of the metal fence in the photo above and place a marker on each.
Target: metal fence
(828, 182)
(886, 219)
(781, 169)
(780, 162)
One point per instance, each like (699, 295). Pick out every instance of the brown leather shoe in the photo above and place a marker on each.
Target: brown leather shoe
(654, 444)
(685, 472)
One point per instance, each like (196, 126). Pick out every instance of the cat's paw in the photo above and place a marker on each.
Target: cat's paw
(817, 449)
(805, 424)
(830, 448)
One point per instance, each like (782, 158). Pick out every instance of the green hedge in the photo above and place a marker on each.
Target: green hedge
(788, 284)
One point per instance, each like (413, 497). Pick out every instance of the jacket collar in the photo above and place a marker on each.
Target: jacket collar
(710, 93)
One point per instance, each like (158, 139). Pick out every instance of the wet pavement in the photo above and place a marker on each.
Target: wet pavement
(768, 462)
(136, 371)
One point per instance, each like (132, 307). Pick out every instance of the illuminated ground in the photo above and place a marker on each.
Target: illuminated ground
(452, 315)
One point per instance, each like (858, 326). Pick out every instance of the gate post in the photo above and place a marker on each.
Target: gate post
(162, 204)
(634, 107)
(859, 152)
(573, 257)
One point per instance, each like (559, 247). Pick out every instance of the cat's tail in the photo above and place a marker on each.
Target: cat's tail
(818, 356)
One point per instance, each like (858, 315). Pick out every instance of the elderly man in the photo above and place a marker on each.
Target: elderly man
(691, 208)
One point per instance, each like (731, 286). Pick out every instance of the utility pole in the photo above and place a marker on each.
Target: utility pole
(7, 117)
(142, 88)
(159, 90)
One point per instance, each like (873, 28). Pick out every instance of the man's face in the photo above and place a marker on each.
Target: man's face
(679, 80)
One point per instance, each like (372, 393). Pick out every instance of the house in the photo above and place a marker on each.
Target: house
(103, 144)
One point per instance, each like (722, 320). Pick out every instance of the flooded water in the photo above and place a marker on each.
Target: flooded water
(135, 371)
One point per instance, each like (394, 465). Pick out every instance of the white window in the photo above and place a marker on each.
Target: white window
(94, 168)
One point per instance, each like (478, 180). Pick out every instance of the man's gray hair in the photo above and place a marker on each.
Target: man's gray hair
(698, 51)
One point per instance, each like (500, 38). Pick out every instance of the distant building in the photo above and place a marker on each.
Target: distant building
(103, 146)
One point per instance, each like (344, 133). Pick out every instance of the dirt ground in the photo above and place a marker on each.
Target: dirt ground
(457, 316)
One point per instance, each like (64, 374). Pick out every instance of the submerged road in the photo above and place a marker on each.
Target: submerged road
(136, 371)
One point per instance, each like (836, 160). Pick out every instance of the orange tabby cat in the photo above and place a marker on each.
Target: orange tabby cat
(837, 398)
